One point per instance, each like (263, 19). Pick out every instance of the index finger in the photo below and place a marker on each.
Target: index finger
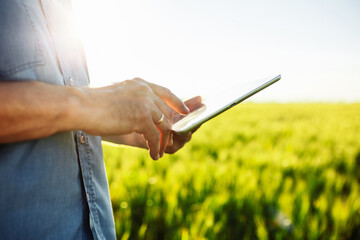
(193, 103)
(170, 99)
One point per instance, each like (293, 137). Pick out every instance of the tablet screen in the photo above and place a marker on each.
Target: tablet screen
(215, 105)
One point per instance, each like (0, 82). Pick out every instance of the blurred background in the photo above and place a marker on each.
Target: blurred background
(193, 47)
(284, 165)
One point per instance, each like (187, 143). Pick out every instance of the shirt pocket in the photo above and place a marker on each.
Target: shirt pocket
(19, 41)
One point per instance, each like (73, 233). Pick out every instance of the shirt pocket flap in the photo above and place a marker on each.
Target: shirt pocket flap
(19, 43)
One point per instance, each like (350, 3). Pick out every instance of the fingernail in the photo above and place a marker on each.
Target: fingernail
(157, 157)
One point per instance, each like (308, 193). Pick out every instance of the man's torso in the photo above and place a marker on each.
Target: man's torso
(56, 187)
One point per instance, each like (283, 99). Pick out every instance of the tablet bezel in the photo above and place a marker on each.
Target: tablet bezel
(224, 108)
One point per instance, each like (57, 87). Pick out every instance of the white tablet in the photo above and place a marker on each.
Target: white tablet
(212, 107)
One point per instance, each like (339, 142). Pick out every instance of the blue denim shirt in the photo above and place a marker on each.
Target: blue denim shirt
(56, 187)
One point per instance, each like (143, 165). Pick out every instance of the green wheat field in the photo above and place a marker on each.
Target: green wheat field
(259, 171)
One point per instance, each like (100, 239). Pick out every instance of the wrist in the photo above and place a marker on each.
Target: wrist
(75, 109)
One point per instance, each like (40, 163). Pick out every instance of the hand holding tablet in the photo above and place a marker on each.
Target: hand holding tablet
(210, 108)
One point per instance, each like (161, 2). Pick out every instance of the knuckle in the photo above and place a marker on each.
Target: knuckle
(143, 88)
(167, 125)
(167, 92)
(126, 82)
(169, 114)
(138, 79)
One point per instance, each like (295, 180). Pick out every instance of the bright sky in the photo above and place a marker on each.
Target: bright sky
(198, 46)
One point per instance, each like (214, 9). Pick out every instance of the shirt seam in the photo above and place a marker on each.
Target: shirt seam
(92, 195)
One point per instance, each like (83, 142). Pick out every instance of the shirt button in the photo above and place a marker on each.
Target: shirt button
(82, 139)
(71, 81)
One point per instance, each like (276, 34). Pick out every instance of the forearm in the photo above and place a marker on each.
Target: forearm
(31, 110)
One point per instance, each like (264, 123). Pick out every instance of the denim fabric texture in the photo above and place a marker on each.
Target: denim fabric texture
(56, 187)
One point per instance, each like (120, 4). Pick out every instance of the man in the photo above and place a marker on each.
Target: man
(52, 177)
